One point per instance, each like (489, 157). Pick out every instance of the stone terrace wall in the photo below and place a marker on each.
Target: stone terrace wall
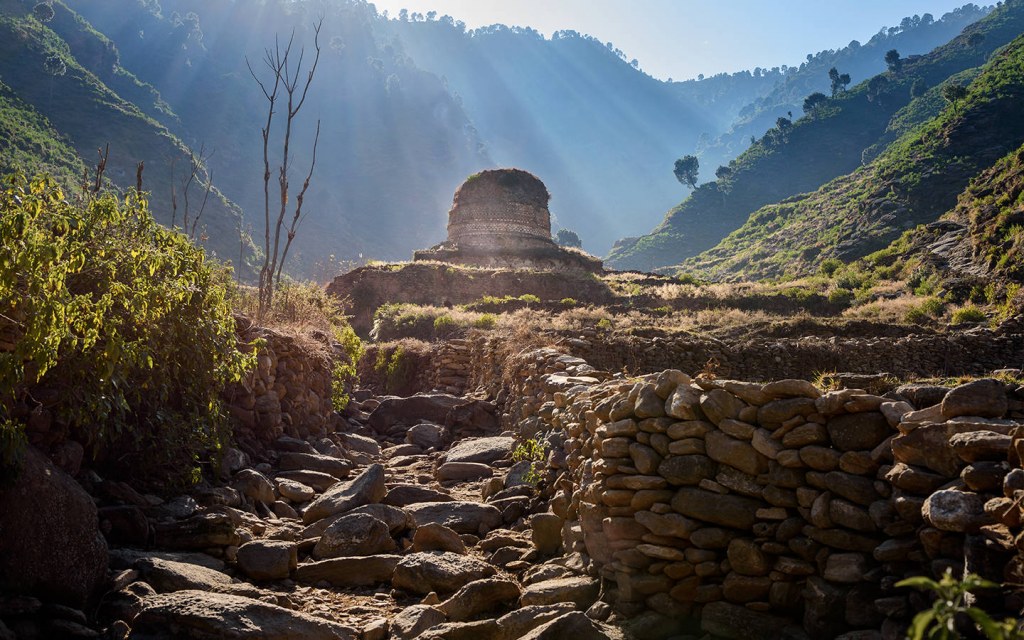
(775, 510)
(289, 393)
(975, 352)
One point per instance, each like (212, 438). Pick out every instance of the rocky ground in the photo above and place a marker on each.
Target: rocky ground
(412, 521)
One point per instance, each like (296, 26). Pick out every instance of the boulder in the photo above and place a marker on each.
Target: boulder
(687, 470)
(684, 403)
(436, 408)
(295, 491)
(203, 531)
(212, 616)
(732, 511)
(738, 454)
(316, 479)
(50, 546)
(366, 488)
(981, 445)
(461, 471)
(480, 596)
(438, 571)
(521, 621)
(985, 398)
(546, 532)
(361, 444)
(427, 435)
(168, 575)
(859, 431)
(349, 572)
(462, 517)
(437, 537)
(358, 534)
(581, 591)
(255, 485)
(482, 450)
(575, 625)
(736, 622)
(719, 404)
(315, 462)
(412, 621)
(403, 495)
(268, 559)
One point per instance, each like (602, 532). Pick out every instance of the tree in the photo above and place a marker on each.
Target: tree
(286, 83)
(568, 238)
(953, 93)
(43, 12)
(723, 172)
(686, 171)
(783, 123)
(918, 88)
(875, 87)
(975, 39)
(893, 60)
(814, 101)
(839, 81)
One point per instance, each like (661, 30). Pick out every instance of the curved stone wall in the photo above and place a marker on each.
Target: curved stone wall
(500, 209)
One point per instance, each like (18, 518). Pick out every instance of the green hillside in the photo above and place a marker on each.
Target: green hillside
(803, 155)
(914, 181)
(29, 143)
(43, 70)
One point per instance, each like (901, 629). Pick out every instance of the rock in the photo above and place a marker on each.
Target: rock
(362, 444)
(412, 621)
(985, 398)
(167, 575)
(747, 558)
(438, 571)
(791, 389)
(858, 431)
(354, 535)
(738, 454)
(462, 517)
(124, 525)
(725, 510)
(687, 470)
(428, 436)
(349, 572)
(479, 630)
(742, 589)
(719, 404)
(268, 559)
(959, 511)
(922, 395)
(295, 491)
(546, 532)
(212, 616)
(376, 630)
(366, 488)
(315, 462)
(776, 412)
(734, 622)
(317, 480)
(294, 445)
(482, 450)
(846, 568)
(669, 524)
(648, 403)
(581, 591)
(894, 411)
(403, 495)
(437, 537)
(480, 596)
(461, 471)
(574, 625)
(519, 622)
(981, 445)
(50, 546)
(928, 445)
(396, 519)
(684, 403)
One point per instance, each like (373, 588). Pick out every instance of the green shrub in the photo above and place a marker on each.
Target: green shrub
(397, 369)
(486, 321)
(686, 278)
(604, 323)
(966, 314)
(951, 607)
(829, 266)
(930, 308)
(345, 369)
(568, 302)
(840, 296)
(125, 320)
(529, 298)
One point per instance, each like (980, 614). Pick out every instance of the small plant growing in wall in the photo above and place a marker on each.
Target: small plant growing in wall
(941, 620)
(533, 452)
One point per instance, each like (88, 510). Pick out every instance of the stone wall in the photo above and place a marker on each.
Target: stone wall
(289, 392)
(773, 510)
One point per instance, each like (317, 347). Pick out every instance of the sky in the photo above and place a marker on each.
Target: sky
(682, 38)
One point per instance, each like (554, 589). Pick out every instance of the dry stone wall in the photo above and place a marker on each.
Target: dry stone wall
(289, 392)
(774, 510)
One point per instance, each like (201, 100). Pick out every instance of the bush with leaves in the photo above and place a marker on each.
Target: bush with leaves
(118, 327)
(950, 609)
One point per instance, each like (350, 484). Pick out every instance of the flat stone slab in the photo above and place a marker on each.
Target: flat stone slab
(461, 517)
(349, 572)
(215, 616)
(484, 450)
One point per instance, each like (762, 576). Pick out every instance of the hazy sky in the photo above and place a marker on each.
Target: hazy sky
(681, 38)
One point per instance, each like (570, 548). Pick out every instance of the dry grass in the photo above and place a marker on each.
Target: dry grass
(304, 312)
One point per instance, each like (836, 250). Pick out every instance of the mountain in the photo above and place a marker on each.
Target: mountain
(798, 157)
(914, 181)
(914, 35)
(64, 106)
(393, 145)
(28, 142)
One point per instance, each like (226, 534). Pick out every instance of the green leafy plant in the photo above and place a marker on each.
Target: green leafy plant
(968, 313)
(345, 368)
(125, 323)
(940, 620)
(396, 368)
(485, 321)
(533, 452)
(529, 298)
(569, 302)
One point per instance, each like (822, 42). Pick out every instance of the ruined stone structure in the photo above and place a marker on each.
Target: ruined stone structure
(500, 219)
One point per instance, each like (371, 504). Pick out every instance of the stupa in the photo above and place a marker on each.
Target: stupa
(500, 219)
